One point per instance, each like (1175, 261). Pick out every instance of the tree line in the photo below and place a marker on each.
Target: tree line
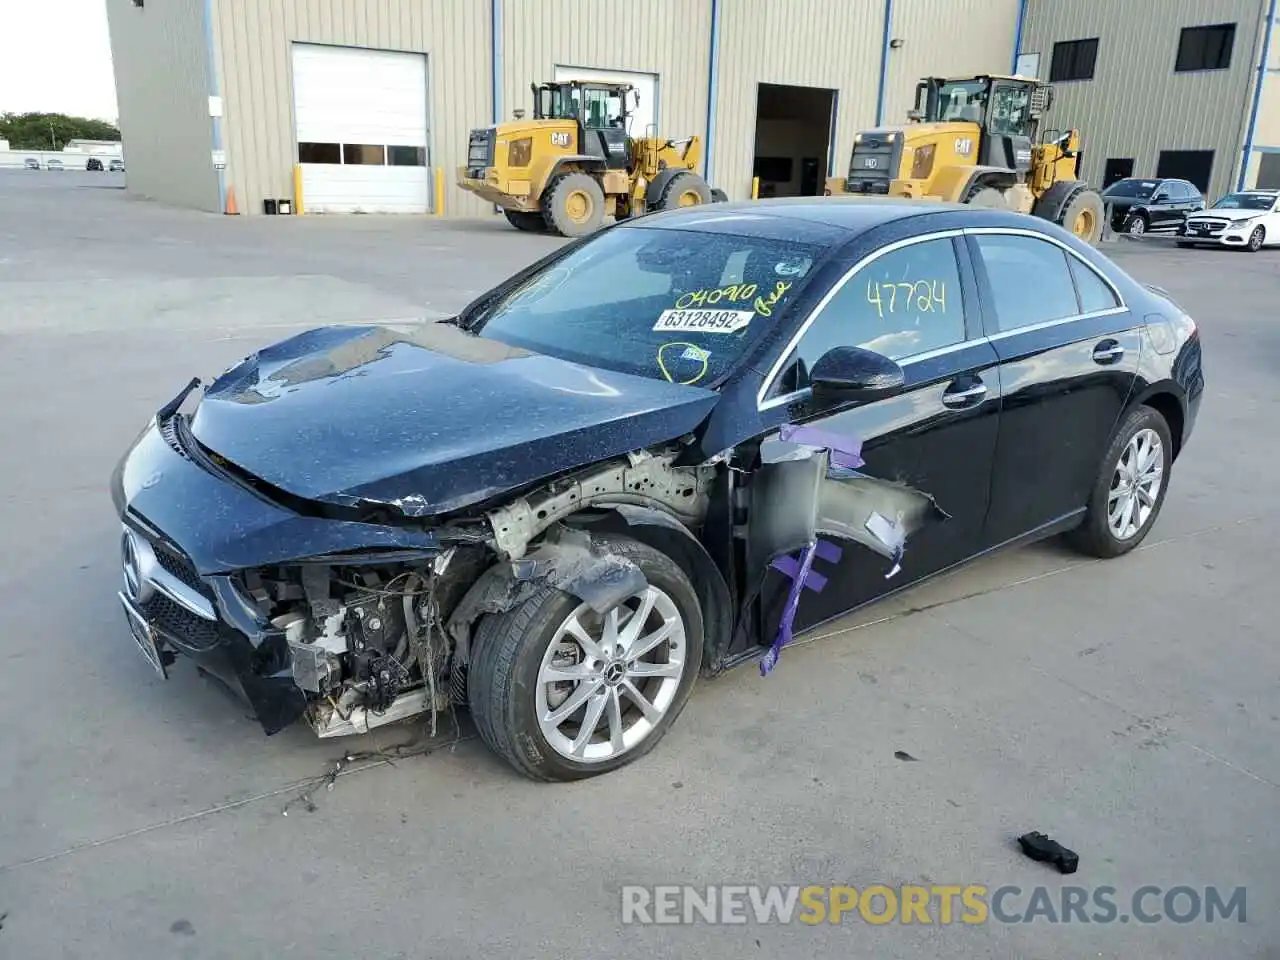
(51, 131)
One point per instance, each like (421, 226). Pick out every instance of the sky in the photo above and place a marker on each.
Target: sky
(55, 57)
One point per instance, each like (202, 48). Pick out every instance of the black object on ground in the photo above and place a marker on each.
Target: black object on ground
(1039, 847)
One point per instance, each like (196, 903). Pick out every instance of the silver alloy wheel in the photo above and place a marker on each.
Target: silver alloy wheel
(1255, 239)
(1135, 485)
(1137, 226)
(605, 683)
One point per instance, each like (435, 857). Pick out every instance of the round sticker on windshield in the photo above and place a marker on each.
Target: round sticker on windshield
(793, 267)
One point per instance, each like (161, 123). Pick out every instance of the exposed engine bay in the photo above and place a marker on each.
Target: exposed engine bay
(373, 644)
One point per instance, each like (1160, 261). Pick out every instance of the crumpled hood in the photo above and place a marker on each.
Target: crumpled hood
(429, 421)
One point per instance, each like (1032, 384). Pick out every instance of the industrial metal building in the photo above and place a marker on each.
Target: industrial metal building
(366, 105)
(1163, 88)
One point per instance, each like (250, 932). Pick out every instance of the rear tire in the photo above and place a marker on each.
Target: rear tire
(684, 190)
(528, 222)
(1100, 535)
(573, 205)
(1136, 225)
(511, 700)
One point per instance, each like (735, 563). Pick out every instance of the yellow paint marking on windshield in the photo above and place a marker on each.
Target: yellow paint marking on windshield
(923, 295)
(764, 305)
(705, 298)
(692, 352)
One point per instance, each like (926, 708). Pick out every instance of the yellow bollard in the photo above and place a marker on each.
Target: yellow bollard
(297, 189)
(755, 188)
(439, 204)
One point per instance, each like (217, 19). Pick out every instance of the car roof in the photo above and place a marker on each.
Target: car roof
(823, 218)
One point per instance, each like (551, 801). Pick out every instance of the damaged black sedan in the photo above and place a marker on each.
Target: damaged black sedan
(657, 453)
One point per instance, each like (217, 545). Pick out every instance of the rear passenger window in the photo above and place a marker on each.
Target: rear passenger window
(903, 303)
(1030, 280)
(1094, 293)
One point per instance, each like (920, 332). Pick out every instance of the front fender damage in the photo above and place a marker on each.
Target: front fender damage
(807, 487)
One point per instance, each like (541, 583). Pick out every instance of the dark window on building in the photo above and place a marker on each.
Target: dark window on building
(1116, 168)
(1268, 172)
(320, 153)
(407, 156)
(1073, 60)
(1205, 48)
(1193, 165)
(363, 154)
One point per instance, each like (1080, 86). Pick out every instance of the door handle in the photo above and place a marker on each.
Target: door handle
(1108, 351)
(968, 397)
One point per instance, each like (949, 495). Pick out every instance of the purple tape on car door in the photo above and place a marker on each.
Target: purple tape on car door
(770, 659)
(845, 451)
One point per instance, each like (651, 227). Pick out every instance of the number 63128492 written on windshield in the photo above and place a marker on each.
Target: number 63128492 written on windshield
(905, 296)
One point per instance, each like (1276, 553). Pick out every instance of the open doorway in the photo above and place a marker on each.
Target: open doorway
(793, 138)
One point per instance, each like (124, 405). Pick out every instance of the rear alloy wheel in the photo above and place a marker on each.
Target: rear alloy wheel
(1256, 239)
(564, 693)
(1130, 487)
(574, 205)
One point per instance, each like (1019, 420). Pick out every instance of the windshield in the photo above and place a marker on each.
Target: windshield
(962, 100)
(1138, 189)
(677, 305)
(1245, 201)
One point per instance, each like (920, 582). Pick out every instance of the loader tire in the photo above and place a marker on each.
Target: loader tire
(1085, 216)
(684, 190)
(573, 205)
(529, 222)
(988, 197)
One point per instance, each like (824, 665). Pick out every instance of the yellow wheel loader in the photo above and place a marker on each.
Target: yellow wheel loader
(575, 162)
(974, 140)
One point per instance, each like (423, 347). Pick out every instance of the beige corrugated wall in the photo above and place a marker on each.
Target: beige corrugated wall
(1136, 105)
(158, 55)
(954, 39)
(813, 43)
(254, 39)
(670, 38)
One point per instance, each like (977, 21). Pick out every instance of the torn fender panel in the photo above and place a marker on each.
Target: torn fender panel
(795, 501)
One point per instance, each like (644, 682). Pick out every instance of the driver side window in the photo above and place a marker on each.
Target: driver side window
(906, 302)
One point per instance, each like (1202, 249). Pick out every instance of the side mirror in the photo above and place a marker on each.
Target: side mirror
(915, 116)
(845, 374)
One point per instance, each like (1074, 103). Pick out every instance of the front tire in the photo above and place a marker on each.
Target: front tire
(1130, 487)
(1257, 239)
(684, 190)
(574, 205)
(1136, 225)
(562, 693)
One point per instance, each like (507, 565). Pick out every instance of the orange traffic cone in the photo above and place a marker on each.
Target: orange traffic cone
(231, 210)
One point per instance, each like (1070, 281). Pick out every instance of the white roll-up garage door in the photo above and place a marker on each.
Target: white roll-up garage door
(361, 128)
(645, 83)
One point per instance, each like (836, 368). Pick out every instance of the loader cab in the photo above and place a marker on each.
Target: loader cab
(1006, 111)
(601, 112)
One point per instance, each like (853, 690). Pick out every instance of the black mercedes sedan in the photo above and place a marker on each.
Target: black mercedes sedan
(1139, 205)
(659, 452)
